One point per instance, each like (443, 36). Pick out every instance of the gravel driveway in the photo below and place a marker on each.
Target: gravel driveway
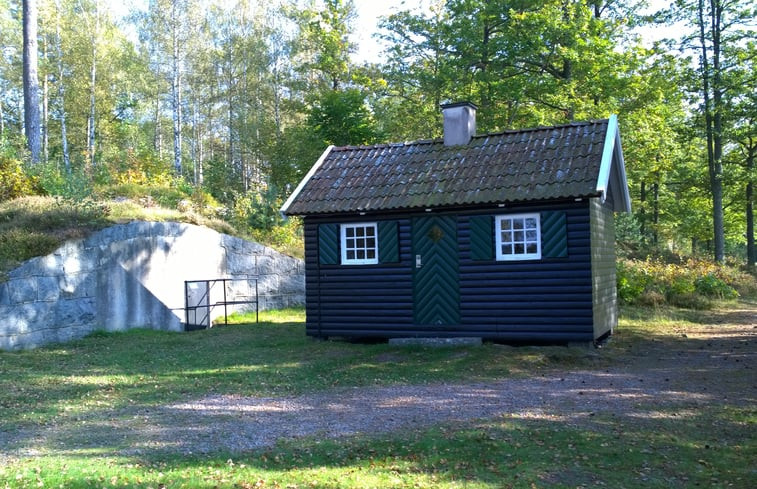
(711, 365)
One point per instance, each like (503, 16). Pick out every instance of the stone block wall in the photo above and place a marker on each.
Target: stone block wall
(132, 276)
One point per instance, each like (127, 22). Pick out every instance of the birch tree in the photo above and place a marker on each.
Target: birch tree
(61, 90)
(30, 80)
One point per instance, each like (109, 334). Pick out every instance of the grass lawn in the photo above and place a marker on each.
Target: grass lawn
(711, 447)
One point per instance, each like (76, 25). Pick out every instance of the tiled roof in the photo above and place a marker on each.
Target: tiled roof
(545, 163)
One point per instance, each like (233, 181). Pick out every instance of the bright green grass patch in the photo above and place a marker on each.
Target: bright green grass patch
(505, 452)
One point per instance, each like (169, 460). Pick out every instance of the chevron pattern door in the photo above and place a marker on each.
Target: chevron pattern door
(436, 290)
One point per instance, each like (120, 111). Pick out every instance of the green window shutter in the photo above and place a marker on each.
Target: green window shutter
(328, 244)
(388, 242)
(554, 234)
(481, 238)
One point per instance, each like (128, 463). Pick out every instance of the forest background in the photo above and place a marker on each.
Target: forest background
(230, 103)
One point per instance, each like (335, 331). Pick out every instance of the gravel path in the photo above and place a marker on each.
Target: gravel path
(671, 378)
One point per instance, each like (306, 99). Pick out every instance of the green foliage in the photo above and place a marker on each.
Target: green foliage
(75, 186)
(712, 286)
(14, 182)
(692, 283)
(341, 118)
(258, 209)
(285, 237)
(143, 168)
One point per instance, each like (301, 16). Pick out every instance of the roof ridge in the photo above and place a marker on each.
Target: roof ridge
(542, 128)
(477, 136)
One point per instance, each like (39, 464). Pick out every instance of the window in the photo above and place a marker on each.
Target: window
(518, 237)
(359, 246)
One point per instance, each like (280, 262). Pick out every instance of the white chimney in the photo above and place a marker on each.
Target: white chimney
(459, 123)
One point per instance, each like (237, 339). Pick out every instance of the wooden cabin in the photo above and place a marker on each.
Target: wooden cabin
(505, 236)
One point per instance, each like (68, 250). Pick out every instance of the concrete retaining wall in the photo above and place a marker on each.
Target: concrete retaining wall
(131, 276)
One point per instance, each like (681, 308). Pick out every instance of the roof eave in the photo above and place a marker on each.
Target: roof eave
(612, 158)
(285, 208)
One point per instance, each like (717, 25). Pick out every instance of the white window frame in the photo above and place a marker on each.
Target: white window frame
(507, 237)
(351, 243)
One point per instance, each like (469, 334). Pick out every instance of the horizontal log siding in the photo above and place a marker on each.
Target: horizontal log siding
(530, 300)
(603, 269)
(358, 300)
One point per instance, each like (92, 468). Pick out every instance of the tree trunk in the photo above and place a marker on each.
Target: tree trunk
(176, 91)
(712, 94)
(196, 144)
(61, 90)
(45, 106)
(158, 136)
(2, 120)
(30, 80)
(751, 252)
(92, 99)
(643, 213)
(655, 212)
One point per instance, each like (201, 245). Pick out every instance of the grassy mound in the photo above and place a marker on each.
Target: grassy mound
(35, 226)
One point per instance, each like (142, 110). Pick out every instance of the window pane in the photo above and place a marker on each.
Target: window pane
(531, 235)
(371, 254)
(530, 223)
(370, 242)
(518, 236)
(517, 223)
(350, 243)
(350, 255)
(507, 250)
(507, 237)
(370, 231)
(360, 243)
(360, 231)
(518, 248)
(506, 224)
(349, 232)
(531, 248)
(361, 254)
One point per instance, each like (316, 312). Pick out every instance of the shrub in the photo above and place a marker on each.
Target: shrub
(711, 286)
(14, 182)
(691, 284)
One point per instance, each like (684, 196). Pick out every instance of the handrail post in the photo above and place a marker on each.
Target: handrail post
(225, 305)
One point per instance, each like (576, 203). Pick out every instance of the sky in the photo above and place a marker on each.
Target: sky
(369, 11)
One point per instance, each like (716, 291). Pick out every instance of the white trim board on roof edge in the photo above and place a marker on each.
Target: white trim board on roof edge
(304, 181)
(613, 152)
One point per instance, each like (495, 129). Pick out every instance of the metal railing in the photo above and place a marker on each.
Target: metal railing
(200, 300)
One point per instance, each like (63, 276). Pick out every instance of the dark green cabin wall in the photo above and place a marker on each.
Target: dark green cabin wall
(357, 300)
(532, 300)
(603, 268)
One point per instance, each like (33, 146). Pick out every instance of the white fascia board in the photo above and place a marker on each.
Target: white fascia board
(305, 180)
(607, 153)
(621, 177)
(612, 155)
